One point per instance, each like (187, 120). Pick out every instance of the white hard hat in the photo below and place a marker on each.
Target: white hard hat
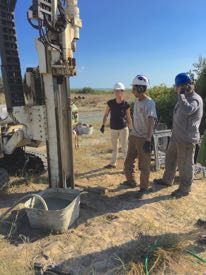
(119, 86)
(140, 80)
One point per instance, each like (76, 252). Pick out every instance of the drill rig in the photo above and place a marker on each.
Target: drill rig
(37, 106)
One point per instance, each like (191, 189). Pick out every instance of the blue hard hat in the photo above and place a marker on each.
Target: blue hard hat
(182, 79)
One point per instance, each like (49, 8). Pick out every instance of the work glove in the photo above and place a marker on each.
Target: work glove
(147, 147)
(102, 129)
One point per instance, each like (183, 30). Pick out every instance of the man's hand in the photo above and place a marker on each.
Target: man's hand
(102, 129)
(147, 147)
(181, 90)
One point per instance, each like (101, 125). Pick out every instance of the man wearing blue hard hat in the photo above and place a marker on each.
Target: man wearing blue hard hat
(187, 116)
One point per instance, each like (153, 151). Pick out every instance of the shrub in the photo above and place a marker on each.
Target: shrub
(201, 89)
(165, 99)
(87, 90)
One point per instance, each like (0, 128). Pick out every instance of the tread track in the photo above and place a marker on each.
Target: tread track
(21, 162)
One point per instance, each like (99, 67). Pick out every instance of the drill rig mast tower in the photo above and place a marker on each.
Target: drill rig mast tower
(41, 106)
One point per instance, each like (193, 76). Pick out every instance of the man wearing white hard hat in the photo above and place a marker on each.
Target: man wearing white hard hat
(144, 116)
(120, 120)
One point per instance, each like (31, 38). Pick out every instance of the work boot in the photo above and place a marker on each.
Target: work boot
(179, 193)
(202, 240)
(110, 166)
(130, 183)
(160, 182)
(201, 222)
(143, 192)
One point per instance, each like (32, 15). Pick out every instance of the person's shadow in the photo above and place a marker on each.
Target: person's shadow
(96, 202)
(97, 173)
(116, 258)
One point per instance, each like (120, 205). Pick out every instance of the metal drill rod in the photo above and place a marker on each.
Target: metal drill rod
(65, 135)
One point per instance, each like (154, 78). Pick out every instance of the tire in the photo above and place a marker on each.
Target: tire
(4, 179)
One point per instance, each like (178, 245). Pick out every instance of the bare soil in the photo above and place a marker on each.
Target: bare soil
(115, 230)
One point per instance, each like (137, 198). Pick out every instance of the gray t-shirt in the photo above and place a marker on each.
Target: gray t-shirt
(142, 111)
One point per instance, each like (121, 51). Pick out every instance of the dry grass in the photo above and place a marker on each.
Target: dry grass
(163, 261)
(115, 229)
(167, 256)
(161, 217)
(13, 263)
(8, 267)
(98, 102)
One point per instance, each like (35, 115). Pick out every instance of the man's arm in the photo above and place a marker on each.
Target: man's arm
(150, 128)
(129, 119)
(188, 107)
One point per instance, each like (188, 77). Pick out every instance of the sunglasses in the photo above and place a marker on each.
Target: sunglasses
(138, 89)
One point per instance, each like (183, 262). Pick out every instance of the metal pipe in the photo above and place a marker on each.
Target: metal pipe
(65, 134)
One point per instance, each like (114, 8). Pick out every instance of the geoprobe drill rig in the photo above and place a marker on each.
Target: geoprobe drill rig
(38, 107)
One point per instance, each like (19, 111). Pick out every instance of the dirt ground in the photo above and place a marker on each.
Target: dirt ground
(115, 230)
(98, 102)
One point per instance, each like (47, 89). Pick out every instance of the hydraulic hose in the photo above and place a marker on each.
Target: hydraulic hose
(146, 263)
(196, 256)
(2, 217)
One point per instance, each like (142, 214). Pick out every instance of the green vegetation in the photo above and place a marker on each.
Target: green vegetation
(200, 71)
(165, 99)
(89, 90)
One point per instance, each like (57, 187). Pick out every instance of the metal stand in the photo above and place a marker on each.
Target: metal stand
(160, 147)
(157, 136)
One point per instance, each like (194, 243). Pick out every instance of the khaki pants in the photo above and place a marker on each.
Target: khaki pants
(135, 150)
(181, 155)
(116, 136)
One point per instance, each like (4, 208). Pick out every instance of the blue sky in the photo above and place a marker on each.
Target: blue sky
(120, 39)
